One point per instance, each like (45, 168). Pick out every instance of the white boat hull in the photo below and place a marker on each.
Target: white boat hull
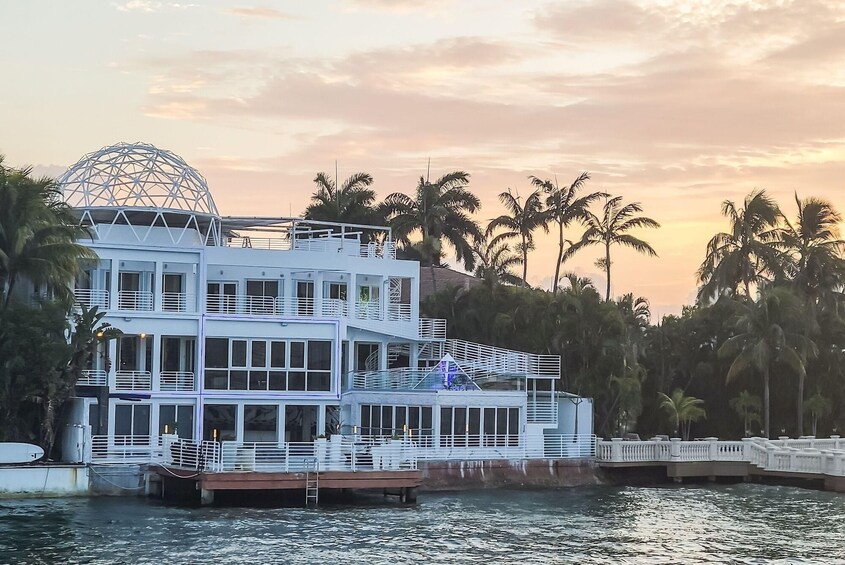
(19, 453)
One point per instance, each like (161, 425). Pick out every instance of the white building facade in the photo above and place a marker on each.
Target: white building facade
(276, 330)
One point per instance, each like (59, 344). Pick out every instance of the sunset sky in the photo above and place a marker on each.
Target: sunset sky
(676, 104)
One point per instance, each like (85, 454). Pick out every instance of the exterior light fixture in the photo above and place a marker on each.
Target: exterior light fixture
(143, 335)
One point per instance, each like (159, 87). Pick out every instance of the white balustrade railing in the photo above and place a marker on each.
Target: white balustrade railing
(135, 300)
(133, 380)
(91, 297)
(803, 455)
(178, 302)
(93, 377)
(177, 381)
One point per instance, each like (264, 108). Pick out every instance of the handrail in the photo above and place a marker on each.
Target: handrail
(479, 359)
(133, 380)
(178, 381)
(141, 300)
(803, 455)
(93, 377)
(91, 297)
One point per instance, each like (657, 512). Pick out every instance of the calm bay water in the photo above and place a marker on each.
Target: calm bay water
(713, 524)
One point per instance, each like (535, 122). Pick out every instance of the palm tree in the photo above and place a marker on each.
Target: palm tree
(766, 334)
(495, 264)
(746, 254)
(439, 211)
(682, 410)
(818, 406)
(747, 405)
(611, 229)
(815, 263)
(814, 247)
(521, 222)
(352, 203)
(38, 235)
(564, 207)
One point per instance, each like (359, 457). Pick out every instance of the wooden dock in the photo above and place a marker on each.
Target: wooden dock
(402, 483)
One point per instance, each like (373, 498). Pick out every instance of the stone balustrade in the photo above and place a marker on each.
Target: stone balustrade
(808, 455)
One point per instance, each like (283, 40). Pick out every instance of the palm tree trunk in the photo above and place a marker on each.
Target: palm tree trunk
(559, 258)
(766, 401)
(607, 271)
(433, 277)
(524, 262)
(799, 401)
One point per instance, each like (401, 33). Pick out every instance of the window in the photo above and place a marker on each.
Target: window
(239, 364)
(176, 419)
(221, 297)
(132, 420)
(385, 420)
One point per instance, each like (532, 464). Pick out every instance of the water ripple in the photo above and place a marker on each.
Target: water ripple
(743, 524)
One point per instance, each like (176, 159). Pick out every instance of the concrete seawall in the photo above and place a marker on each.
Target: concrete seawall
(529, 473)
(43, 481)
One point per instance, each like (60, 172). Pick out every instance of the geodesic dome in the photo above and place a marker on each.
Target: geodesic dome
(143, 187)
(136, 175)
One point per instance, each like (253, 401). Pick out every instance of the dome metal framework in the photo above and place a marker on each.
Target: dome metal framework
(140, 185)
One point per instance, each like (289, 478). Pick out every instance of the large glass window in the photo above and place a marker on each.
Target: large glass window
(132, 420)
(386, 420)
(176, 419)
(261, 422)
(238, 364)
(218, 422)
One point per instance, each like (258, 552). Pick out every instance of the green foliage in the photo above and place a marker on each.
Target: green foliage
(352, 203)
(682, 410)
(519, 223)
(37, 235)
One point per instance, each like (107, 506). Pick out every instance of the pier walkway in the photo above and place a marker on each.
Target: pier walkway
(820, 460)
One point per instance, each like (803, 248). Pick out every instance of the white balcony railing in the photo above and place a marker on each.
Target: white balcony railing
(135, 300)
(368, 310)
(432, 328)
(133, 380)
(177, 381)
(178, 302)
(91, 297)
(93, 377)
(399, 312)
(335, 308)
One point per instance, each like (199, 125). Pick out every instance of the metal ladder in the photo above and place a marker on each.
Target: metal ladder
(312, 481)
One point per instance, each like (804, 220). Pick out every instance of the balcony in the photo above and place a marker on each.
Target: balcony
(178, 302)
(177, 381)
(91, 297)
(136, 300)
(96, 377)
(133, 380)
(319, 243)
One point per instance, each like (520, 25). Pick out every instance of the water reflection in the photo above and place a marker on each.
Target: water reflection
(714, 524)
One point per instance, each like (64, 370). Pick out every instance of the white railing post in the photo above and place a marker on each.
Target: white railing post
(712, 448)
(616, 449)
(675, 448)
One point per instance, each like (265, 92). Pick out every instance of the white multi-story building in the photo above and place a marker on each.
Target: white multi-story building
(272, 329)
